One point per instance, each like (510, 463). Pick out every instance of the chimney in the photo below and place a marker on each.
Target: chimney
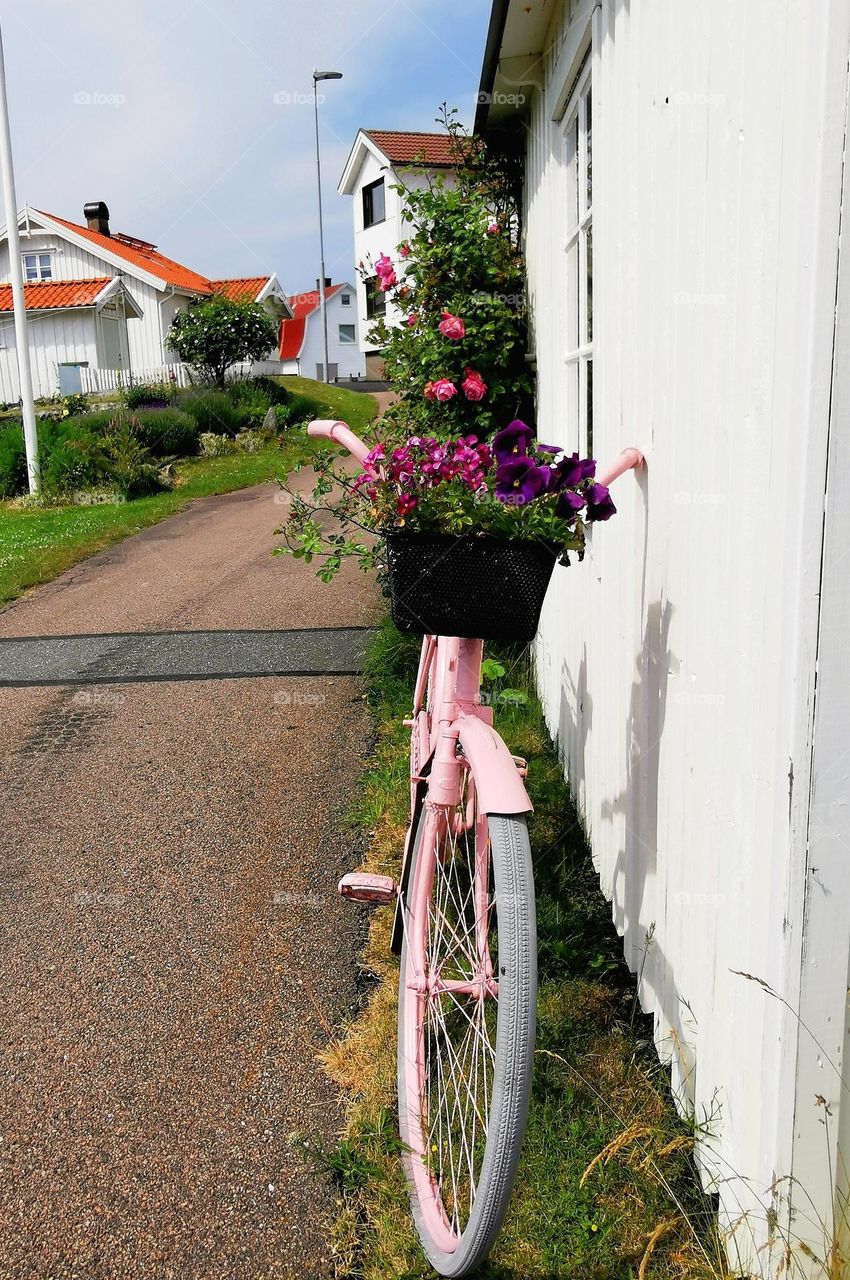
(96, 215)
(327, 283)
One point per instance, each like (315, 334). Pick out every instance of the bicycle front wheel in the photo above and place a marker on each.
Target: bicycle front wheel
(466, 1022)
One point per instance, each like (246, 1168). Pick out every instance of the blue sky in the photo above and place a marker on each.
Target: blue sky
(191, 118)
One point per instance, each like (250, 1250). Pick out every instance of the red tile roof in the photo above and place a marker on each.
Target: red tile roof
(244, 289)
(292, 331)
(436, 150)
(147, 258)
(304, 304)
(291, 338)
(42, 295)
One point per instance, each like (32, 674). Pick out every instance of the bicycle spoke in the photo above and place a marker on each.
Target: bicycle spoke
(458, 1024)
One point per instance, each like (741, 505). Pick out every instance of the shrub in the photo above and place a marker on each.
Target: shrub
(213, 411)
(129, 463)
(97, 421)
(254, 389)
(215, 333)
(215, 446)
(166, 431)
(72, 458)
(283, 416)
(150, 394)
(13, 461)
(251, 441)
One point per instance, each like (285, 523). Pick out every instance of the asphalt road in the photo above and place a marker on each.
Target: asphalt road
(172, 952)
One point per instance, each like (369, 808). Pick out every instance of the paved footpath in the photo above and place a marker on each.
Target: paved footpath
(172, 952)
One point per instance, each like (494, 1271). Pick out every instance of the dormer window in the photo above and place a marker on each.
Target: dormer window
(38, 266)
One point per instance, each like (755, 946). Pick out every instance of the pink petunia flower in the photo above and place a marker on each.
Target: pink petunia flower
(473, 385)
(451, 326)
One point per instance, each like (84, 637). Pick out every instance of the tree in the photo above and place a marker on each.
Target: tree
(215, 333)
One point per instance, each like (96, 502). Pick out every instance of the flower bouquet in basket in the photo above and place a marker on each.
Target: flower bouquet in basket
(467, 533)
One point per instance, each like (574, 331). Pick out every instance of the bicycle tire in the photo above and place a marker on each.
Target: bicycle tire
(513, 898)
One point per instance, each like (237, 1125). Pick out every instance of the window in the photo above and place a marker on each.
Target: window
(38, 266)
(345, 299)
(578, 247)
(374, 209)
(376, 300)
(346, 333)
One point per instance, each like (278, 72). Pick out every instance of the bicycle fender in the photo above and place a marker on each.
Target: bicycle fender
(500, 788)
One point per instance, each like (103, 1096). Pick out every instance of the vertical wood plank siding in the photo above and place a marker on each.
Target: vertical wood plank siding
(677, 663)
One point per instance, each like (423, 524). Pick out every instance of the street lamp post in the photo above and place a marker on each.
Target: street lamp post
(22, 350)
(317, 76)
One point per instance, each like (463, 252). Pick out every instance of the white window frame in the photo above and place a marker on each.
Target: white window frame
(578, 250)
(38, 254)
(345, 299)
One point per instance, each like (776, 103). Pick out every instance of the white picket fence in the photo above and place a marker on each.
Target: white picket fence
(180, 375)
(97, 380)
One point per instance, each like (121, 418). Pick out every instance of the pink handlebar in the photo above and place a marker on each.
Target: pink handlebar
(340, 434)
(628, 458)
(343, 435)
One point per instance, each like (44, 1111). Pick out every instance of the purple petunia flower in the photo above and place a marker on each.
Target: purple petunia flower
(568, 504)
(518, 480)
(512, 441)
(599, 504)
(573, 469)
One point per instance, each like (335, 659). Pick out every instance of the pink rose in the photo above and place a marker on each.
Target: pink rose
(403, 291)
(411, 320)
(451, 326)
(387, 281)
(492, 227)
(473, 385)
(441, 390)
(383, 265)
(404, 250)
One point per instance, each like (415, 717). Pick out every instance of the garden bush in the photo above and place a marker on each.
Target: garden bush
(150, 394)
(252, 389)
(166, 432)
(214, 411)
(13, 461)
(216, 446)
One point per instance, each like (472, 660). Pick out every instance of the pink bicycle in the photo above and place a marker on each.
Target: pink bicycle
(466, 935)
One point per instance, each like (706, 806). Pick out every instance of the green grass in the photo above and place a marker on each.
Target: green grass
(357, 408)
(606, 1187)
(38, 544)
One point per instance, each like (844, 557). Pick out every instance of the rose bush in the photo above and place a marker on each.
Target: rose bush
(457, 357)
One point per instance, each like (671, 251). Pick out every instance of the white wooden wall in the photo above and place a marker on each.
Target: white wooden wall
(677, 663)
(67, 337)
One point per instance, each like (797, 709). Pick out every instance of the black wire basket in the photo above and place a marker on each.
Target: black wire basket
(475, 585)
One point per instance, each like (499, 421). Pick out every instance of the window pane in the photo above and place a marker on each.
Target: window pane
(573, 410)
(572, 175)
(346, 333)
(572, 293)
(589, 282)
(590, 408)
(378, 211)
(345, 299)
(588, 139)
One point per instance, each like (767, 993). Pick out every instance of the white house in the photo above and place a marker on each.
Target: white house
(302, 348)
(102, 303)
(684, 170)
(378, 161)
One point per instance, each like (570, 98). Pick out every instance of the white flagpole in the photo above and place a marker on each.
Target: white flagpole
(16, 274)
